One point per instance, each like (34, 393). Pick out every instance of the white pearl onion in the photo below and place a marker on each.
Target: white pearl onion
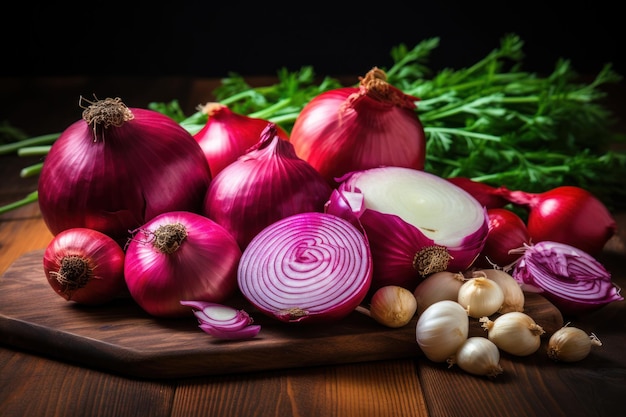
(478, 356)
(515, 333)
(480, 296)
(441, 329)
(571, 344)
(513, 294)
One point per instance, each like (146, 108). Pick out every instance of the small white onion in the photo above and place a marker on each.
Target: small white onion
(441, 330)
(515, 333)
(571, 344)
(439, 286)
(480, 296)
(478, 356)
(513, 294)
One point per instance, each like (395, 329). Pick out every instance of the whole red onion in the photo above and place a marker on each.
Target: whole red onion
(355, 128)
(180, 256)
(119, 167)
(565, 214)
(228, 135)
(85, 266)
(265, 185)
(507, 231)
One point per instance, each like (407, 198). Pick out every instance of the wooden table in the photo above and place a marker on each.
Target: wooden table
(35, 385)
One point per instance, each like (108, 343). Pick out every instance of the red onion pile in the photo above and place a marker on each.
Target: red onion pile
(308, 267)
(356, 128)
(119, 167)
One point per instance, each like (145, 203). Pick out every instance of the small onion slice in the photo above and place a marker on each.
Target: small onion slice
(313, 267)
(219, 316)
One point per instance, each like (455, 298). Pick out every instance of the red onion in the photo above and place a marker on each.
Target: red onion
(566, 214)
(574, 281)
(228, 135)
(308, 267)
(180, 256)
(266, 184)
(484, 193)
(356, 128)
(507, 231)
(118, 168)
(417, 223)
(85, 266)
(222, 321)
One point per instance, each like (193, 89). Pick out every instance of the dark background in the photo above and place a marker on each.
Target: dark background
(210, 39)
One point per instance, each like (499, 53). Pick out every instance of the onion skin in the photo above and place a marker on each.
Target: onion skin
(228, 135)
(355, 128)
(265, 185)
(103, 259)
(306, 268)
(203, 267)
(566, 214)
(115, 178)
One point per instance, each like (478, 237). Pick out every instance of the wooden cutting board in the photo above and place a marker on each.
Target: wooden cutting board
(121, 338)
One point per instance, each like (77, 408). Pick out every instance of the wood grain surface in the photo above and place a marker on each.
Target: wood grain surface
(122, 338)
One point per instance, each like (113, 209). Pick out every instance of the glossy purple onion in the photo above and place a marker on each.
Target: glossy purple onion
(309, 267)
(417, 224)
(119, 167)
(180, 256)
(265, 185)
(574, 281)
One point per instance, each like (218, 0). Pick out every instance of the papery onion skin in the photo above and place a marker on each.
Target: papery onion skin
(566, 214)
(573, 280)
(355, 128)
(202, 268)
(265, 185)
(228, 135)
(408, 210)
(114, 178)
(306, 268)
(102, 258)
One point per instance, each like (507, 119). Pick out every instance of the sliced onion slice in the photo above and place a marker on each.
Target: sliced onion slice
(219, 316)
(247, 332)
(313, 267)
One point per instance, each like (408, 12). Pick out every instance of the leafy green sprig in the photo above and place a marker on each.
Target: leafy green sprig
(493, 122)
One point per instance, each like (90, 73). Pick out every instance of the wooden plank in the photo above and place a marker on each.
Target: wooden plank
(122, 338)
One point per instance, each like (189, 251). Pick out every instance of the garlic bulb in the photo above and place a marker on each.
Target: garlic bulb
(478, 356)
(480, 296)
(439, 286)
(515, 333)
(393, 306)
(441, 329)
(571, 344)
(513, 294)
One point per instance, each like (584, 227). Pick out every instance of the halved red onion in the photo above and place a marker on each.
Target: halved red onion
(313, 267)
(574, 281)
(417, 223)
